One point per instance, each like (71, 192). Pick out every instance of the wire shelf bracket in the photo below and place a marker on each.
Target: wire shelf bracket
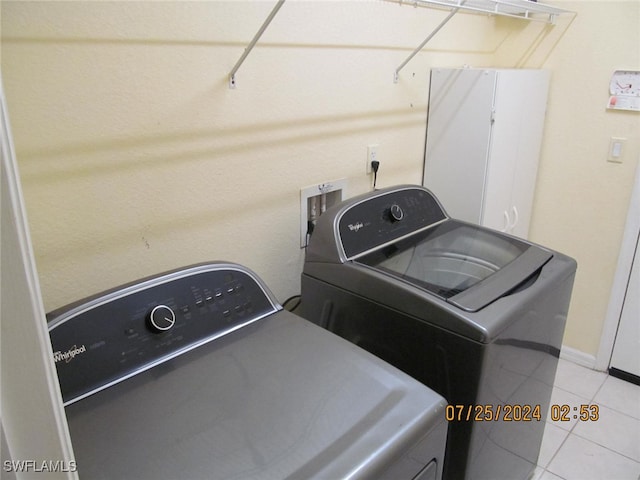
(529, 10)
(256, 37)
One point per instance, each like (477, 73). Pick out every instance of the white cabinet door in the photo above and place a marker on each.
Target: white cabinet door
(503, 155)
(458, 136)
(520, 106)
(534, 87)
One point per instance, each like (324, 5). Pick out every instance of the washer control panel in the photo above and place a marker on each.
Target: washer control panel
(112, 336)
(385, 216)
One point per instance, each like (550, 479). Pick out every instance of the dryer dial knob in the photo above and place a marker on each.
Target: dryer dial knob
(395, 213)
(162, 318)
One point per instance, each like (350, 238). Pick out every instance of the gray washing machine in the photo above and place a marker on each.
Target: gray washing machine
(476, 315)
(198, 373)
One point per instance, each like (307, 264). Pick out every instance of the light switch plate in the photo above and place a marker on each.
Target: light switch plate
(616, 149)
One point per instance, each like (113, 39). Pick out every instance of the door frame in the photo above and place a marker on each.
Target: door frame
(621, 278)
(31, 399)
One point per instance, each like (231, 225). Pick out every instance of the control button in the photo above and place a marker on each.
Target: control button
(185, 309)
(226, 313)
(209, 298)
(162, 318)
(199, 302)
(395, 212)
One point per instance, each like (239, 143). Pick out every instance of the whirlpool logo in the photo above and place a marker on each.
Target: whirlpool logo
(69, 354)
(355, 227)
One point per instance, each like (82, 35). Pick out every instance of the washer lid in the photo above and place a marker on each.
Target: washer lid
(509, 279)
(468, 266)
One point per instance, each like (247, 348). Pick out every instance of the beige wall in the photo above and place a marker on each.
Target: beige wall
(136, 157)
(581, 199)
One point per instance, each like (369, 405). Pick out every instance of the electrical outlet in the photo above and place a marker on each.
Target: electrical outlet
(314, 200)
(372, 156)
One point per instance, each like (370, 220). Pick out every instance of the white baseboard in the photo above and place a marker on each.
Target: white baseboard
(576, 356)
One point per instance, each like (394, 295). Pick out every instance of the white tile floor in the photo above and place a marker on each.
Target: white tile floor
(606, 449)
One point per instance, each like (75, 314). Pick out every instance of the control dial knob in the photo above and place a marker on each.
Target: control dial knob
(395, 213)
(162, 318)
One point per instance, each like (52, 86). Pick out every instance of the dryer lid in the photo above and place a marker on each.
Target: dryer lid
(280, 398)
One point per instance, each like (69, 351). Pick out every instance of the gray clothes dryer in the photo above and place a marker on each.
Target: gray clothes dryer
(474, 314)
(199, 374)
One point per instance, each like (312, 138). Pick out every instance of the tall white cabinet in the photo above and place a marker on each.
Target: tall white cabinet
(484, 132)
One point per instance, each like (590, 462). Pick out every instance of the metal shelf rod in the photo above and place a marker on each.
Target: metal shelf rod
(247, 51)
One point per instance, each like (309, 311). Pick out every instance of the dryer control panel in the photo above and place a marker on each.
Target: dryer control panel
(384, 216)
(110, 337)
